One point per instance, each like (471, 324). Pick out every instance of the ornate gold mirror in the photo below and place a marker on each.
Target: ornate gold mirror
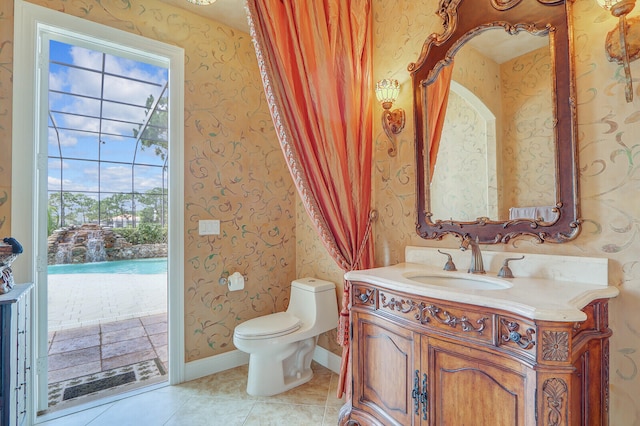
(494, 108)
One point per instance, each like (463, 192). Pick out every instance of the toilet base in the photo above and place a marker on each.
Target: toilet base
(270, 375)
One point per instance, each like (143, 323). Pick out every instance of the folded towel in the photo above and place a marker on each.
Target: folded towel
(545, 213)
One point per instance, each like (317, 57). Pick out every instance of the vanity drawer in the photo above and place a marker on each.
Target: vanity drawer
(516, 335)
(363, 296)
(437, 316)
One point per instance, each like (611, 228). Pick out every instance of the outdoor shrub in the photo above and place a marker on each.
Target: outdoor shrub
(145, 233)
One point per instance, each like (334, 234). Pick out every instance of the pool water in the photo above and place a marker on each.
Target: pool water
(137, 266)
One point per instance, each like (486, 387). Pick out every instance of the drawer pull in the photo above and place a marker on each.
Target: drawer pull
(415, 394)
(420, 397)
(424, 397)
(524, 341)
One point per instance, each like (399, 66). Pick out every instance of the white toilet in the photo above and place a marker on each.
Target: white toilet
(281, 345)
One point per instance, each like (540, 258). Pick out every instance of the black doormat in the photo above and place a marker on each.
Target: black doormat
(143, 372)
(98, 385)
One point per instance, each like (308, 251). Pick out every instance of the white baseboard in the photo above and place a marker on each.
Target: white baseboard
(327, 359)
(228, 360)
(214, 364)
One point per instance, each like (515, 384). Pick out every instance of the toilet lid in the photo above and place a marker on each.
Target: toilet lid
(272, 325)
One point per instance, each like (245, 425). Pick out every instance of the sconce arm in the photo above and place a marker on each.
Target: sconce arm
(393, 123)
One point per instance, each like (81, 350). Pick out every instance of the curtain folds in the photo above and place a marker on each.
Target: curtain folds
(437, 99)
(315, 63)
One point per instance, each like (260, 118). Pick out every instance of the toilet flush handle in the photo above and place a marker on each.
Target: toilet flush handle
(224, 279)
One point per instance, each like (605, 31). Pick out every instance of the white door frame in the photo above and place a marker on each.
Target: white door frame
(29, 167)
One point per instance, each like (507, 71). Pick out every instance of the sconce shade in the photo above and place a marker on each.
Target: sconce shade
(202, 2)
(622, 42)
(387, 92)
(617, 7)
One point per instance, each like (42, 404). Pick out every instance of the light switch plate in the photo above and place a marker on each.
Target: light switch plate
(209, 227)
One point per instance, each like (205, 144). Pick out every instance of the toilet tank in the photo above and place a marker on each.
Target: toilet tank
(314, 301)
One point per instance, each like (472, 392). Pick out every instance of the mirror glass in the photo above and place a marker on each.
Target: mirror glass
(496, 157)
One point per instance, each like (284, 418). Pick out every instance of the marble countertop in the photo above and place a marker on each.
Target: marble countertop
(530, 296)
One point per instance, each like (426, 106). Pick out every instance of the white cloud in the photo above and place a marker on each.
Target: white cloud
(66, 140)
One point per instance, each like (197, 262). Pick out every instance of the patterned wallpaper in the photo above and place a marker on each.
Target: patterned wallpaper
(609, 173)
(6, 88)
(234, 169)
(528, 147)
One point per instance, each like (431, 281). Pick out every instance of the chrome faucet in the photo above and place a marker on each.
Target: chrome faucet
(476, 266)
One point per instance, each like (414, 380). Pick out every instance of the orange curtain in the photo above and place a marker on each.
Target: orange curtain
(315, 62)
(437, 99)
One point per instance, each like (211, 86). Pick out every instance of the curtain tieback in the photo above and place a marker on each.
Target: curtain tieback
(373, 215)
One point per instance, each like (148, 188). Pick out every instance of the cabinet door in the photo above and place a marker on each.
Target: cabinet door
(476, 388)
(385, 369)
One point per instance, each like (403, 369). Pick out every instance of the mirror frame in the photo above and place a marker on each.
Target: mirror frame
(462, 21)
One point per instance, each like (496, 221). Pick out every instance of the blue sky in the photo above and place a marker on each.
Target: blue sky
(83, 175)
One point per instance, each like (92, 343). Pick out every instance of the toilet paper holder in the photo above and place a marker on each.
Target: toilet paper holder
(224, 278)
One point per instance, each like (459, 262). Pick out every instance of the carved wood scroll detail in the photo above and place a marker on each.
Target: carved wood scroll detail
(555, 390)
(525, 342)
(504, 4)
(555, 345)
(425, 312)
(366, 297)
(448, 11)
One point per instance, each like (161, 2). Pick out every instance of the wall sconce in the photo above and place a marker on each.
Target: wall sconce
(626, 46)
(387, 91)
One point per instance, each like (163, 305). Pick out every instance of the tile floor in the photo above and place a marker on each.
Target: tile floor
(100, 347)
(219, 399)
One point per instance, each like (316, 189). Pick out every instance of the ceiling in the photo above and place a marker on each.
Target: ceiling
(230, 12)
(501, 46)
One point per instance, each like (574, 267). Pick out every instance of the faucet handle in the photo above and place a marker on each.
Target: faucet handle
(505, 271)
(449, 266)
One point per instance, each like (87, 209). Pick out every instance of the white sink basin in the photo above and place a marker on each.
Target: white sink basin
(471, 282)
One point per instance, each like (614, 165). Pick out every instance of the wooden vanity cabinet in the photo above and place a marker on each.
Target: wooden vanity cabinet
(15, 354)
(422, 361)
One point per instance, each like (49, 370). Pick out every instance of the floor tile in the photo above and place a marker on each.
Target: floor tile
(158, 339)
(273, 414)
(81, 418)
(230, 384)
(145, 409)
(331, 415)
(332, 398)
(314, 393)
(124, 334)
(76, 333)
(204, 410)
(127, 359)
(152, 319)
(68, 345)
(79, 357)
(163, 353)
(126, 347)
(119, 325)
(156, 328)
(74, 371)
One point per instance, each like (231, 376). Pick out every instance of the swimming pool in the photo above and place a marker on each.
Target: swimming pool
(137, 266)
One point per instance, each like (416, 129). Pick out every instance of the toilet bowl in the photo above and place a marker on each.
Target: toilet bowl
(281, 345)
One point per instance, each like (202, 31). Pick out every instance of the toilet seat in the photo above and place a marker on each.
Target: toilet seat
(273, 325)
